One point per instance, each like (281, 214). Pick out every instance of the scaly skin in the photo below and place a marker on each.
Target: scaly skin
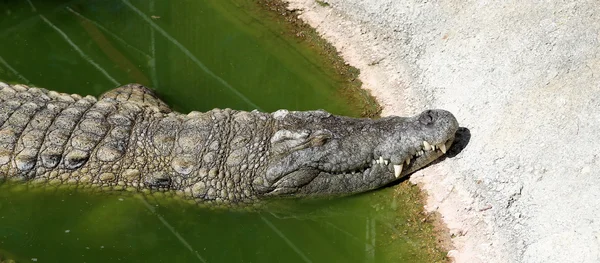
(130, 139)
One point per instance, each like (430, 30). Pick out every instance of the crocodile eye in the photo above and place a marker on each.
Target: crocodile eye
(320, 140)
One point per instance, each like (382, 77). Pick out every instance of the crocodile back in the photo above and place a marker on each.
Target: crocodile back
(51, 136)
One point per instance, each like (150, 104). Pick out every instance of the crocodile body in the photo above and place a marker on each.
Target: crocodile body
(128, 139)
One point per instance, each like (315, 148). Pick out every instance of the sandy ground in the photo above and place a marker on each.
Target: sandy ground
(524, 78)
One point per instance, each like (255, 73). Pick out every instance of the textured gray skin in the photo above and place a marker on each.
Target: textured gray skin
(130, 139)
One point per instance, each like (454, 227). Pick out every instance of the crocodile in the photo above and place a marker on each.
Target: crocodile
(129, 139)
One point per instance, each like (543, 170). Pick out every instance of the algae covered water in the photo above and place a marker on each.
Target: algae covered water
(197, 55)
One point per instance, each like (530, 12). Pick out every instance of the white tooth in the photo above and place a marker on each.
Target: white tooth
(443, 147)
(386, 162)
(426, 146)
(433, 147)
(407, 161)
(421, 152)
(397, 170)
(380, 160)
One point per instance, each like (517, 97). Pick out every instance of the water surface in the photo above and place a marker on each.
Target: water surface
(198, 55)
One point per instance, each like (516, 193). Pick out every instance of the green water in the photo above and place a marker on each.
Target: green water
(198, 55)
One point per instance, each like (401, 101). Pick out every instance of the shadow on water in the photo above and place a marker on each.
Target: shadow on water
(74, 225)
(198, 55)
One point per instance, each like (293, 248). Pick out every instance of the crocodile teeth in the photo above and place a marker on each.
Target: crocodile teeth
(380, 161)
(385, 162)
(442, 147)
(407, 161)
(433, 147)
(426, 146)
(397, 170)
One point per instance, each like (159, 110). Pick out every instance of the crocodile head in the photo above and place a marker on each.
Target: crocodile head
(315, 153)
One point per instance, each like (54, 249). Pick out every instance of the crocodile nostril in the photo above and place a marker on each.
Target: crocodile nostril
(427, 117)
